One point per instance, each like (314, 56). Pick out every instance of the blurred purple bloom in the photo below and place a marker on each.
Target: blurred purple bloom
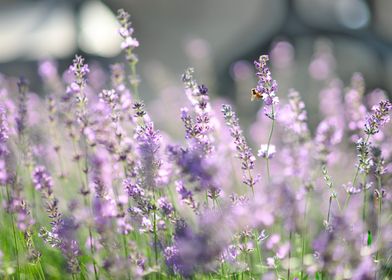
(294, 116)
(133, 190)
(42, 180)
(328, 135)
(3, 126)
(21, 118)
(148, 141)
(165, 206)
(192, 164)
(47, 69)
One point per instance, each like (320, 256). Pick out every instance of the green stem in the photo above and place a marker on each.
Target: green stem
(134, 83)
(355, 178)
(258, 249)
(379, 220)
(364, 206)
(346, 201)
(133, 77)
(88, 206)
(222, 269)
(126, 254)
(269, 141)
(304, 237)
(357, 171)
(14, 235)
(41, 270)
(288, 269)
(124, 236)
(329, 208)
(155, 232)
(251, 186)
(91, 243)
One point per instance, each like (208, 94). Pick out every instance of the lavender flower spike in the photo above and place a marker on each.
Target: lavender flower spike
(128, 44)
(244, 153)
(379, 117)
(79, 69)
(266, 87)
(126, 31)
(3, 126)
(42, 180)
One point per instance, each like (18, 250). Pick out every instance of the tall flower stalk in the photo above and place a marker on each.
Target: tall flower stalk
(244, 152)
(265, 90)
(77, 88)
(378, 118)
(128, 45)
(152, 207)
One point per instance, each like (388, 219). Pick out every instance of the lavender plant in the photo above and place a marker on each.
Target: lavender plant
(94, 189)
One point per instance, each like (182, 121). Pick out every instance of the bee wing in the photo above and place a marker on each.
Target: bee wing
(253, 94)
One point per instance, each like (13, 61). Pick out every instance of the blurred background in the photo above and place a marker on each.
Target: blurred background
(310, 41)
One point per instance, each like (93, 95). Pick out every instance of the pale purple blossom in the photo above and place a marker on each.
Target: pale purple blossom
(244, 152)
(379, 117)
(266, 85)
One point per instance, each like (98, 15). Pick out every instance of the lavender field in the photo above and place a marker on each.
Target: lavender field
(93, 188)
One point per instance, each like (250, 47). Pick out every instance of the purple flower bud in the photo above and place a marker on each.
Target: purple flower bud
(165, 205)
(42, 180)
(203, 89)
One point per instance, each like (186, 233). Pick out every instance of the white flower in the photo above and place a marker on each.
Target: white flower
(129, 42)
(266, 152)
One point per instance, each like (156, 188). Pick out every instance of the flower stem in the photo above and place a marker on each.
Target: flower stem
(379, 219)
(252, 185)
(355, 177)
(269, 141)
(364, 208)
(90, 235)
(155, 231)
(89, 207)
(126, 254)
(133, 77)
(304, 237)
(14, 235)
(329, 208)
(288, 269)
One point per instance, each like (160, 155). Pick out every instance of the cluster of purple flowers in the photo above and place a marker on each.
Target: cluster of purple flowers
(244, 151)
(266, 86)
(378, 118)
(115, 197)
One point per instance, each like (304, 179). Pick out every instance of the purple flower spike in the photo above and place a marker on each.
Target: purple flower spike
(378, 118)
(42, 180)
(244, 152)
(266, 87)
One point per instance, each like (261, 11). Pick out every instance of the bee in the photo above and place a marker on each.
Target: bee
(255, 94)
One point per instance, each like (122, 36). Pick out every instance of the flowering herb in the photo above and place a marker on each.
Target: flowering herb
(136, 202)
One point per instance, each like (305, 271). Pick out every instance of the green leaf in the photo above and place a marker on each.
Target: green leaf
(369, 238)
